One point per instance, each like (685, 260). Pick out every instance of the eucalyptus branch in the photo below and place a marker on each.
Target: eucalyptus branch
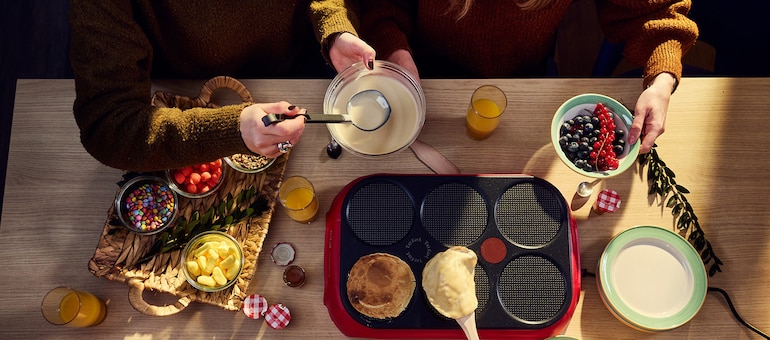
(662, 182)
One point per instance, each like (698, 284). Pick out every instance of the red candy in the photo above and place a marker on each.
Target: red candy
(200, 178)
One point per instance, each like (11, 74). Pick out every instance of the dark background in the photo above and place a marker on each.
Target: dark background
(35, 38)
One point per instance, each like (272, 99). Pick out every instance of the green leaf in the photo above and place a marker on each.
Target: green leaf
(672, 201)
(669, 172)
(682, 189)
(676, 209)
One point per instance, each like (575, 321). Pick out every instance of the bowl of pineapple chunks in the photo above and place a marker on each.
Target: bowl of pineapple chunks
(212, 261)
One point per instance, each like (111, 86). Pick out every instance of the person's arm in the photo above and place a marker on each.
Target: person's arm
(656, 33)
(388, 24)
(111, 59)
(656, 36)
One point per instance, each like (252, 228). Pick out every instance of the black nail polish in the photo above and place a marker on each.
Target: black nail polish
(371, 64)
(292, 107)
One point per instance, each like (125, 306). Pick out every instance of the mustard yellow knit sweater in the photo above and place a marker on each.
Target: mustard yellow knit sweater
(118, 47)
(497, 39)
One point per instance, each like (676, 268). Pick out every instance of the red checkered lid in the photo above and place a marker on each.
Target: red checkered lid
(608, 201)
(278, 316)
(255, 306)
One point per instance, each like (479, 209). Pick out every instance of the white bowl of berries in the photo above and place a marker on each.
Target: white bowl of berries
(590, 135)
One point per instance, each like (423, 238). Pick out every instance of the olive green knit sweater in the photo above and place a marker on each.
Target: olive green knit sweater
(118, 47)
(497, 39)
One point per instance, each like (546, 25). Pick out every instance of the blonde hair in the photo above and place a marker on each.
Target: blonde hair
(527, 5)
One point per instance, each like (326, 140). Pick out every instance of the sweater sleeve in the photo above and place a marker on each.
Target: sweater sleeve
(111, 59)
(387, 24)
(330, 17)
(656, 33)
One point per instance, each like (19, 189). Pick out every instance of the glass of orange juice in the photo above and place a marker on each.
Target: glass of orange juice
(487, 105)
(298, 196)
(73, 308)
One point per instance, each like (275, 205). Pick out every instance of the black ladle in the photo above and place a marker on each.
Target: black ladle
(367, 110)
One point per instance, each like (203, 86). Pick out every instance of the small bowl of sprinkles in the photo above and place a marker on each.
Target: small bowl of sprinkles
(146, 205)
(249, 163)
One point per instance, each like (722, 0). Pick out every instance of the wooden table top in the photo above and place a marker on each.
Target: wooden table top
(57, 197)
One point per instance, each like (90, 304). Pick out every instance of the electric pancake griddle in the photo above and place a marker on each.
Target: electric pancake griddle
(528, 274)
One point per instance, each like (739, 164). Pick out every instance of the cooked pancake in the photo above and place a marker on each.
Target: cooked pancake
(448, 282)
(380, 285)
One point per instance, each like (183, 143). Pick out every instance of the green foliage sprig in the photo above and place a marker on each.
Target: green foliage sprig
(663, 183)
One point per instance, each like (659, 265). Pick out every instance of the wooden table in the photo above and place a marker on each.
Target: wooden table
(57, 197)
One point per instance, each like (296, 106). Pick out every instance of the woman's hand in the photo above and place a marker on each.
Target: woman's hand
(650, 112)
(263, 139)
(346, 49)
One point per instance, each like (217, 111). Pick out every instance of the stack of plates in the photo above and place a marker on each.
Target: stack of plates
(651, 279)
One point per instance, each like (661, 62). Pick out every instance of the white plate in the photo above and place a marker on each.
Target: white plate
(652, 278)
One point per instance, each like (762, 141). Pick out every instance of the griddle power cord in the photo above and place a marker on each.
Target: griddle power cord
(735, 312)
(737, 316)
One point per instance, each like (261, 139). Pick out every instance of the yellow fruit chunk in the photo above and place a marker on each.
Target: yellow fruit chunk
(219, 276)
(231, 272)
(202, 249)
(223, 250)
(228, 262)
(202, 262)
(206, 281)
(193, 268)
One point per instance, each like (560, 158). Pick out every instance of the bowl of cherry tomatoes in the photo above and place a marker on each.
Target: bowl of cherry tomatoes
(198, 180)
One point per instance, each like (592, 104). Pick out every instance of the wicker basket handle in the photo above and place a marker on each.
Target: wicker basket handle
(136, 288)
(166, 99)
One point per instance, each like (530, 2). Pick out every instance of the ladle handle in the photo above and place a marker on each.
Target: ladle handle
(309, 118)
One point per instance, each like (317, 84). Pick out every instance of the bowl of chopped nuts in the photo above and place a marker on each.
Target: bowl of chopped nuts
(249, 163)
(590, 135)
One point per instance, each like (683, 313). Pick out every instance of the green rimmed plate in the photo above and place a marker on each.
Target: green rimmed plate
(652, 279)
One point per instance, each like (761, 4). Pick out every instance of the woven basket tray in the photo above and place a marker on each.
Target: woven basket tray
(119, 252)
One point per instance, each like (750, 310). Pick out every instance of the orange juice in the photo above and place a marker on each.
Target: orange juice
(482, 118)
(302, 205)
(84, 309)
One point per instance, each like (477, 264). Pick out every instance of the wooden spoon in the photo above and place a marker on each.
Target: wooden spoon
(468, 324)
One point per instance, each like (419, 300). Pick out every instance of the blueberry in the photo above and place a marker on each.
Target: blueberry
(618, 149)
(573, 147)
(620, 133)
(565, 128)
(583, 154)
(334, 150)
(563, 140)
(588, 128)
(578, 134)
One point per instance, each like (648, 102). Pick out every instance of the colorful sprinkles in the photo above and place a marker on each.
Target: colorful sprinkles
(149, 206)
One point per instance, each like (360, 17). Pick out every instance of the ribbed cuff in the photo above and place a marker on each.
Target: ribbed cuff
(667, 57)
